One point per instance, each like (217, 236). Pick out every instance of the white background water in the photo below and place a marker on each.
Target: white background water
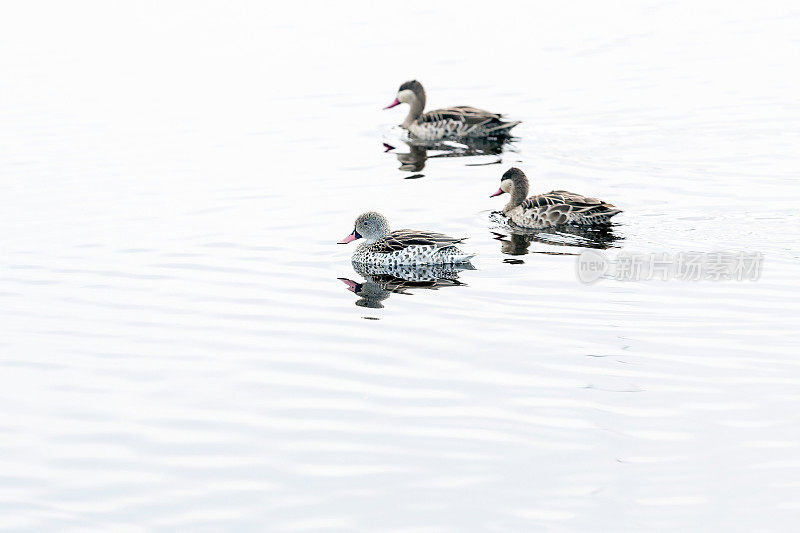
(178, 354)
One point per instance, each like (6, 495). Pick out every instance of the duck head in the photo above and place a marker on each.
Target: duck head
(515, 183)
(411, 93)
(370, 226)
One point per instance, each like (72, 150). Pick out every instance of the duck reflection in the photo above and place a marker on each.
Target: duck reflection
(380, 282)
(517, 242)
(419, 152)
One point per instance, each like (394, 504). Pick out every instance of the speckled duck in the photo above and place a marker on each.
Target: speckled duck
(460, 122)
(383, 247)
(551, 209)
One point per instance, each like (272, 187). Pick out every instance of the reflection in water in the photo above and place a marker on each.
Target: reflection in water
(414, 160)
(380, 282)
(516, 241)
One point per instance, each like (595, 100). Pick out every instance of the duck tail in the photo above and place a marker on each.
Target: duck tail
(502, 127)
(603, 216)
(461, 257)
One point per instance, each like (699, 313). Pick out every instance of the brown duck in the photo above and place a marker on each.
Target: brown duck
(551, 209)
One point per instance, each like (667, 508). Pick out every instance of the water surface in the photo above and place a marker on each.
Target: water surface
(179, 351)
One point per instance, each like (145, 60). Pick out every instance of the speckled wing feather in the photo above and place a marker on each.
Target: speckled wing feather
(474, 119)
(576, 202)
(463, 113)
(556, 205)
(400, 239)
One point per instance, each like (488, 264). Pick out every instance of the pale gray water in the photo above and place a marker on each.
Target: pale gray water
(178, 354)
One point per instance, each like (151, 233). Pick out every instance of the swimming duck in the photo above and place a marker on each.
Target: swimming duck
(460, 122)
(383, 247)
(552, 209)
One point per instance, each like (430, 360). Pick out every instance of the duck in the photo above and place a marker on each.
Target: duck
(451, 123)
(404, 247)
(552, 209)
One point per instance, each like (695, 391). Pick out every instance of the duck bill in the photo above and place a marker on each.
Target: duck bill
(396, 102)
(498, 193)
(350, 238)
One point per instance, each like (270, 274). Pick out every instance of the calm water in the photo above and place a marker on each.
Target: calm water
(179, 353)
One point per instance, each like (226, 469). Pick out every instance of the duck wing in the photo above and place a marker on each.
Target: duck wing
(471, 116)
(562, 198)
(463, 113)
(572, 206)
(402, 238)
